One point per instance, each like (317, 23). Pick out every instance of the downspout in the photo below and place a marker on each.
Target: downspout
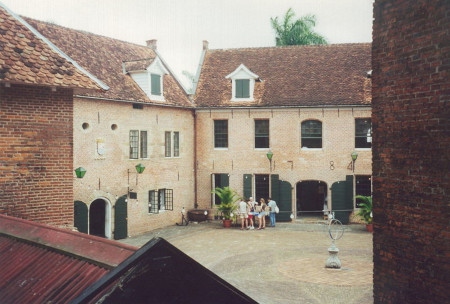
(194, 113)
(194, 89)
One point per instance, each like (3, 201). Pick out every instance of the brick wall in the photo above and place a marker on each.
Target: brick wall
(107, 175)
(289, 161)
(411, 151)
(36, 154)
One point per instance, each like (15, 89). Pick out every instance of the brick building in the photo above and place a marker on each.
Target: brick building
(37, 84)
(411, 151)
(144, 118)
(308, 105)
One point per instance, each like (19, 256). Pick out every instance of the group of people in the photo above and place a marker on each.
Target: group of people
(251, 210)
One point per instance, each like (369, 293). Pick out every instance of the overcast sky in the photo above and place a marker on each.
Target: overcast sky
(180, 26)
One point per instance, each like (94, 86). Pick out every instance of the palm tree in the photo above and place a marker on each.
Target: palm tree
(365, 211)
(296, 32)
(228, 198)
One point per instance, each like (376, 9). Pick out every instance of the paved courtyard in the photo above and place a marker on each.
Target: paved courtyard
(285, 264)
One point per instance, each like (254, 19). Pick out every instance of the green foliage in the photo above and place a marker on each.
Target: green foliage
(296, 32)
(365, 211)
(228, 198)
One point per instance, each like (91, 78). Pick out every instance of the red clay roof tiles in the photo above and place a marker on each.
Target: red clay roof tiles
(104, 57)
(27, 58)
(318, 75)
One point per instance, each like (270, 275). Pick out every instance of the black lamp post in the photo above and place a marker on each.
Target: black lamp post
(139, 169)
(80, 172)
(354, 157)
(269, 157)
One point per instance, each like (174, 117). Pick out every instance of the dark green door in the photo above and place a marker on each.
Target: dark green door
(80, 216)
(342, 199)
(282, 194)
(121, 219)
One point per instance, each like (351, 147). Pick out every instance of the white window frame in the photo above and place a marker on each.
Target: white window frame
(242, 72)
(156, 68)
(172, 143)
(144, 78)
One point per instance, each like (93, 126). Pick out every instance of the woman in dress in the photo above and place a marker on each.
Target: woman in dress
(262, 214)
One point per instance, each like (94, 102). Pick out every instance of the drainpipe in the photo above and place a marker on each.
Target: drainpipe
(194, 113)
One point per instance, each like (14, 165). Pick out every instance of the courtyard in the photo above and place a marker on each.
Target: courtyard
(285, 264)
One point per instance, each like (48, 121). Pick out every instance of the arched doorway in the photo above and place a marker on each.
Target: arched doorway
(100, 218)
(311, 196)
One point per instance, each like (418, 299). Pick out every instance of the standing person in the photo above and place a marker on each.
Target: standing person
(272, 204)
(262, 214)
(243, 213)
(251, 206)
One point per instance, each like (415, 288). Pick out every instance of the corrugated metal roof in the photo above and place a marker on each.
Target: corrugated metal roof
(43, 264)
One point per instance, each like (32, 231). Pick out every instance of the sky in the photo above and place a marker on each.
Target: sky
(180, 26)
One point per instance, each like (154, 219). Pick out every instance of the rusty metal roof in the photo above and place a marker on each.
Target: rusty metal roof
(43, 264)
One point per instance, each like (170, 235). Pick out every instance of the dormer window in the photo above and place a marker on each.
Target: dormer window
(149, 77)
(243, 84)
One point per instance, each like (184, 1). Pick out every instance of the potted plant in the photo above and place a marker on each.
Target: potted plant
(365, 211)
(228, 198)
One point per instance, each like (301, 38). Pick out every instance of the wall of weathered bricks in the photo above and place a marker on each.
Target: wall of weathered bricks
(36, 154)
(107, 175)
(411, 92)
(292, 163)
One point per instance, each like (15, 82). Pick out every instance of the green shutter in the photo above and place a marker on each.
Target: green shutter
(275, 187)
(121, 218)
(238, 88)
(246, 88)
(242, 88)
(342, 199)
(224, 180)
(284, 202)
(80, 216)
(248, 185)
(156, 84)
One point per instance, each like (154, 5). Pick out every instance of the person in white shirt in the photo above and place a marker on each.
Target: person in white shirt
(243, 213)
(272, 204)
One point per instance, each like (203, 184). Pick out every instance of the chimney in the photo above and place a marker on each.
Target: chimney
(152, 44)
(205, 44)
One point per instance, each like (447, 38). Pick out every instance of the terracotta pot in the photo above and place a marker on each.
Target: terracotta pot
(369, 227)
(227, 223)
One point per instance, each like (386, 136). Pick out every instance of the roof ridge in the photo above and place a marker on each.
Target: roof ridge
(294, 46)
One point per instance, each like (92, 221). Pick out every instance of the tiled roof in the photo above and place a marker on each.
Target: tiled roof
(27, 58)
(318, 75)
(104, 58)
(43, 264)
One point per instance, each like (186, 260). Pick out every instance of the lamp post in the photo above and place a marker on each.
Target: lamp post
(269, 157)
(139, 169)
(354, 157)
